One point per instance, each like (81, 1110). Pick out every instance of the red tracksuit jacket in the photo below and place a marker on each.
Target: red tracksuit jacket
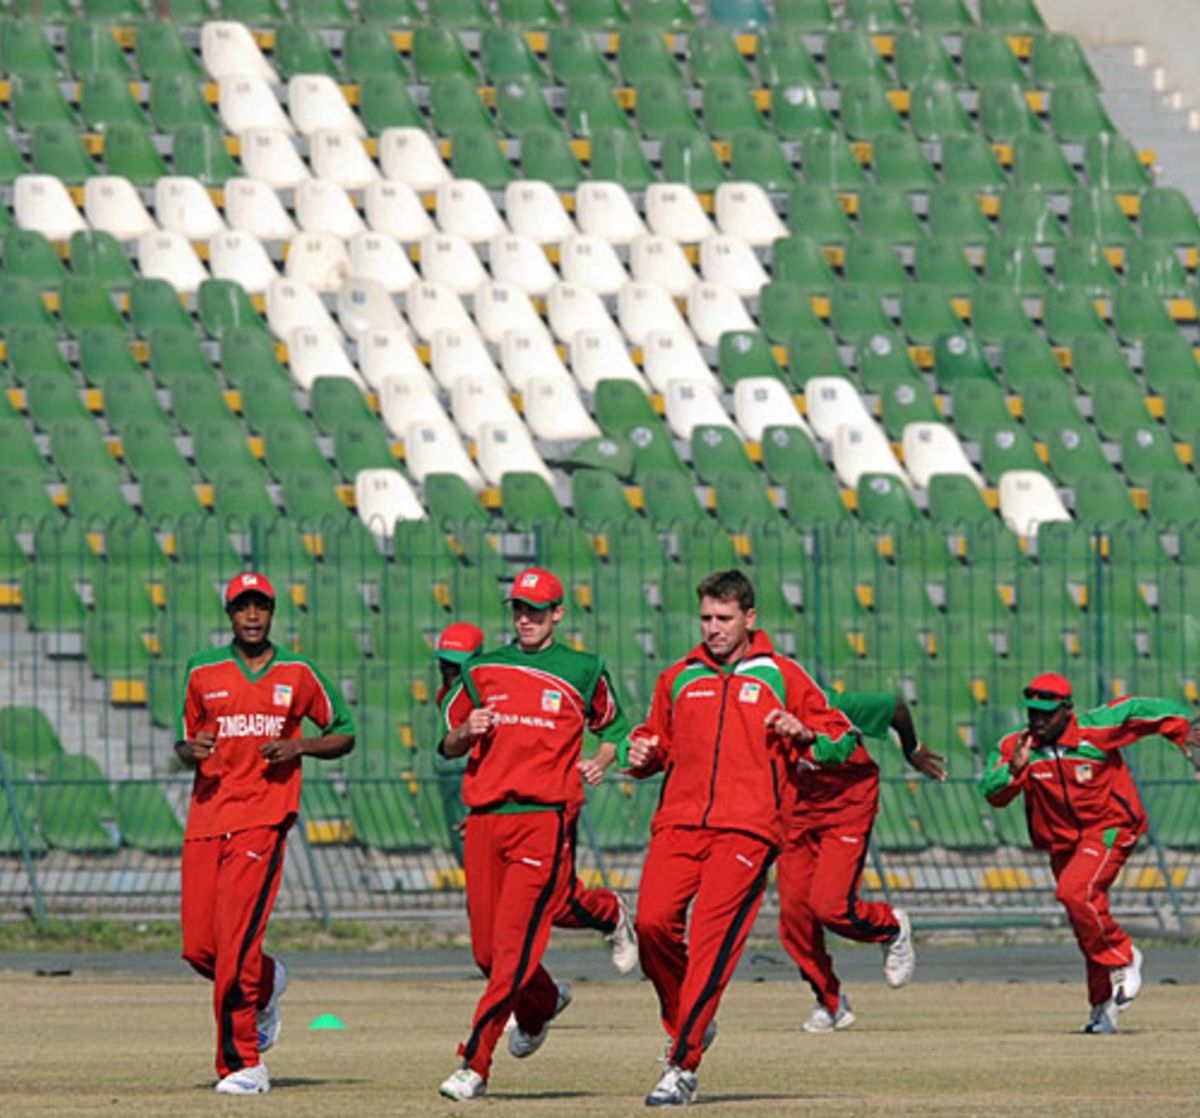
(1080, 785)
(723, 768)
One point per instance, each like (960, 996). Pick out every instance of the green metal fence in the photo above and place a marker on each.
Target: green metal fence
(98, 620)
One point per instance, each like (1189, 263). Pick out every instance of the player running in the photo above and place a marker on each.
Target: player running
(820, 868)
(520, 712)
(727, 725)
(239, 726)
(1084, 811)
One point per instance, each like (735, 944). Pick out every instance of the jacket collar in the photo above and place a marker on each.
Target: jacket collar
(760, 645)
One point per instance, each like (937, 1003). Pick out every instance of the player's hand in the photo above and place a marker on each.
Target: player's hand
(281, 749)
(928, 763)
(592, 772)
(1021, 754)
(641, 751)
(199, 748)
(479, 721)
(787, 725)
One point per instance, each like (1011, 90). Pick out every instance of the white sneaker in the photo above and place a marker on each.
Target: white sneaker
(248, 1081)
(463, 1084)
(1127, 981)
(522, 1044)
(1103, 1018)
(511, 1023)
(675, 1087)
(899, 955)
(822, 1021)
(269, 1021)
(706, 1041)
(623, 940)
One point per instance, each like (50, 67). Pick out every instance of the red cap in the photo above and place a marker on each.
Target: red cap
(459, 642)
(1048, 691)
(536, 586)
(249, 582)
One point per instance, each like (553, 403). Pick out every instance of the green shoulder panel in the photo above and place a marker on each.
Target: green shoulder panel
(871, 711)
(201, 659)
(1135, 707)
(690, 674)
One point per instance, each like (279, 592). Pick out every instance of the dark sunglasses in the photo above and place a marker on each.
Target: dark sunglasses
(1049, 696)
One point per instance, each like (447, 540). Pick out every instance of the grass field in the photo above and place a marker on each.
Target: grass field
(134, 1048)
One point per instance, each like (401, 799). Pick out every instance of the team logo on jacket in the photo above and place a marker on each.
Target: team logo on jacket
(1083, 773)
(551, 701)
(749, 692)
(282, 695)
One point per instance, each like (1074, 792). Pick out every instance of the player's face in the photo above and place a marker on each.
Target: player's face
(535, 627)
(250, 617)
(725, 628)
(1047, 725)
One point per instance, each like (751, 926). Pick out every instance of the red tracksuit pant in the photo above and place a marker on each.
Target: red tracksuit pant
(229, 885)
(726, 872)
(1084, 876)
(518, 870)
(598, 909)
(819, 873)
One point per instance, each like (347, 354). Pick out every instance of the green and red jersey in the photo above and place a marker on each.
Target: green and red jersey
(1080, 785)
(543, 702)
(724, 769)
(235, 788)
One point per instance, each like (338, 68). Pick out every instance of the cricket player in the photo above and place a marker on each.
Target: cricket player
(821, 865)
(727, 726)
(600, 909)
(519, 713)
(1084, 811)
(239, 727)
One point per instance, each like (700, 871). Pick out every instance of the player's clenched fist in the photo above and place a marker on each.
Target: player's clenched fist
(641, 751)
(281, 749)
(198, 748)
(787, 725)
(480, 721)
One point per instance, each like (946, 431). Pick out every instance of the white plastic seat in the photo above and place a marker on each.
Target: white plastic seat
(408, 155)
(831, 402)
(534, 209)
(731, 262)
(228, 48)
(315, 101)
(383, 354)
(554, 411)
(863, 448)
(598, 355)
(476, 402)
(324, 207)
(394, 208)
(269, 155)
(465, 207)
(318, 260)
(340, 157)
(41, 203)
(431, 448)
(458, 354)
(606, 210)
(449, 259)
(1028, 499)
(744, 210)
(591, 262)
(519, 260)
(500, 307)
(383, 496)
(183, 206)
(691, 403)
(364, 305)
(379, 257)
(671, 354)
(430, 307)
(246, 101)
(317, 353)
(762, 402)
(713, 310)
(253, 207)
(404, 400)
(505, 448)
(292, 305)
(643, 308)
(660, 261)
(110, 203)
(170, 256)
(572, 308)
(529, 353)
(234, 255)
(674, 211)
(933, 448)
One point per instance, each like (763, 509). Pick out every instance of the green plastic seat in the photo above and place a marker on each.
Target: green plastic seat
(800, 261)
(987, 59)
(955, 500)
(78, 447)
(805, 15)
(98, 256)
(28, 254)
(926, 313)
(596, 15)
(175, 354)
(198, 151)
(272, 401)
(506, 56)
(19, 450)
(1075, 451)
(829, 161)
(322, 13)
(643, 53)
(86, 303)
(1083, 266)
(146, 820)
(867, 113)
(1182, 399)
(1103, 498)
(1154, 264)
(57, 149)
(168, 496)
(1007, 447)
(813, 352)
(391, 13)
(662, 106)
(1012, 262)
(661, 13)
(1166, 215)
(1147, 450)
(614, 455)
(521, 106)
(527, 500)
(1138, 313)
(104, 353)
(873, 262)
(969, 162)
(883, 359)
(921, 57)
(1112, 162)
(573, 54)
(798, 109)
(37, 99)
(255, 13)
(1004, 111)
(1068, 313)
(130, 152)
(28, 739)
(851, 58)
(154, 304)
(456, 105)
(688, 157)
(904, 402)
(1077, 113)
(745, 353)
(1168, 359)
(33, 348)
(1039, 161)
(299, 49)
(759, 157)
(936, 113)
(1174, 496)
(900, 163)
(461, 13)
(225, 306)
(24, 49)
(1026, 213)
(196, 401)
(997, 312)
(888, 215)
(50, 601)
(856, 312)
(161, 50)
(50, 398)
(959, 356)
(713, 55)
(718, 451)
(592, 106)
(438, 53)
(385, 102)
(729, 108)
(951, 816)
(941, 14)
(815, 213)
(1011, 14)
(368, 51)
(546, 155)
(247, 354)
(476, 154)
(941, 261)
(92, 49)
(76, 812)
(241, 497)
(530, 13)
(954, 214)
(616, 156)
(784, 60)
(106, 100)
(1096, 214)
(1116, 405)
(785, 309)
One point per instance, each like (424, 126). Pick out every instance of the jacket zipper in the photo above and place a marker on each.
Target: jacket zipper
(775, 782)
(1128, 809)
(712, 786)
(1062, 780)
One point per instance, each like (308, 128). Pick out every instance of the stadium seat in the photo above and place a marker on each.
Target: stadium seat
(1027, 500)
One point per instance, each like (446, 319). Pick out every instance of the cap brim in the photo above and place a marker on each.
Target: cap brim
(454, 655)
(531, 602)
(250, 593)
(1045, 704)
